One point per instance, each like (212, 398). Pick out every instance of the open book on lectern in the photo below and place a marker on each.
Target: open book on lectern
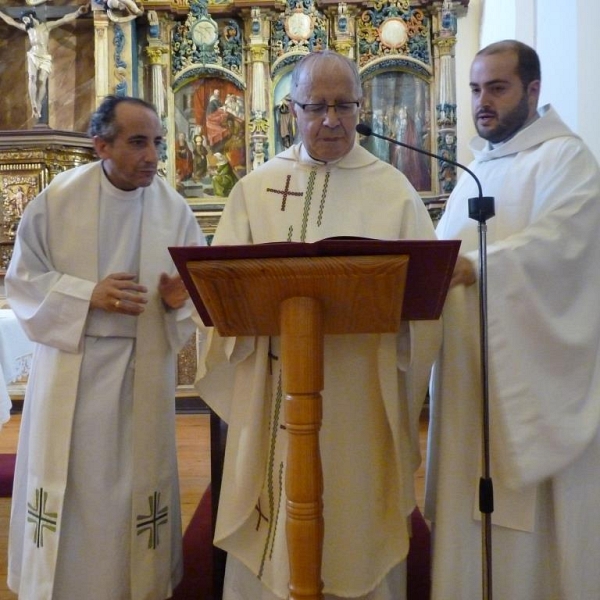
(430, 265)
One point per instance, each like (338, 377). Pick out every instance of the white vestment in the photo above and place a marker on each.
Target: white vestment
(374, 388)
(96, 509)
(544, 336)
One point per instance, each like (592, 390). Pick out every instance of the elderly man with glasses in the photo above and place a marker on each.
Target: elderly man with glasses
(324, 186)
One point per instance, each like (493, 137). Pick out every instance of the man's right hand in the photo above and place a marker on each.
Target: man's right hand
(464, 272)
(119, 293)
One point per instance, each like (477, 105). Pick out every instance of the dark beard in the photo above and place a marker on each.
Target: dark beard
(510, 123)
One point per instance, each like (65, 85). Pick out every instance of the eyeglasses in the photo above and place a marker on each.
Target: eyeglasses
(342, 109)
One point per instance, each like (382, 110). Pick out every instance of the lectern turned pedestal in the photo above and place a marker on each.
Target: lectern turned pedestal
(302, 292)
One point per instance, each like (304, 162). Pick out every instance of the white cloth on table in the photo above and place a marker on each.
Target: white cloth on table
(16, 351)
(5, 403)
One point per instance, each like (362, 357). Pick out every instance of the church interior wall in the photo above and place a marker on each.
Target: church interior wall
(71, 91)
(467, 44)
(14, 108)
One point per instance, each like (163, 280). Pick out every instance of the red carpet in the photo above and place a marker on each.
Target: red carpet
(7, 472)
(418, 562)
(197, 557)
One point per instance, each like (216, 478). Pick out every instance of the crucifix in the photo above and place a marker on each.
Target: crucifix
(39, 60)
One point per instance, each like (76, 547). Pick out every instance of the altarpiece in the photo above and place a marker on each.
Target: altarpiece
(218, 72)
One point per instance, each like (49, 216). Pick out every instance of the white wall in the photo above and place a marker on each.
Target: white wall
(498, 20)
(467, 44)
(557, 47)
(587, 40)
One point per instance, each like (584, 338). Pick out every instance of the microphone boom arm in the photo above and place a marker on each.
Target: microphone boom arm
(367, 131)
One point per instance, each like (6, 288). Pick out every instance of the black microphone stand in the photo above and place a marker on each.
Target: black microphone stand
(481, 208)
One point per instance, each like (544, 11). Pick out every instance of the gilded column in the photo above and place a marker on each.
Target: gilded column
(260, 87)
(123, 59)
(344, 34)
(101, 49)
(115, 52)
(444, 43)
(155, 52)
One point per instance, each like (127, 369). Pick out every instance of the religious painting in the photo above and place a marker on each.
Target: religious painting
(16, 191)
(210, 146)
(15, 196)
(397, 104)
(286, 133)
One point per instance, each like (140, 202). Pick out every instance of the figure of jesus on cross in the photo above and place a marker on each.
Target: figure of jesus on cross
(39, 60)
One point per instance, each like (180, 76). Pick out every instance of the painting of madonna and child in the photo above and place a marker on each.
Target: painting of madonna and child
(210, 153)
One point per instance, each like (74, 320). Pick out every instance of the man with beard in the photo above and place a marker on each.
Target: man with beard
(544, 335)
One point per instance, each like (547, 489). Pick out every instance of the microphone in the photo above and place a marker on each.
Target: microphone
(480, 208)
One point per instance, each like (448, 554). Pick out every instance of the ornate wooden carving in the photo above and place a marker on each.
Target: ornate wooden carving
(29, 160)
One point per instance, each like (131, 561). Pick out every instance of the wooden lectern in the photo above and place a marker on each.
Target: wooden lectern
(302, 292)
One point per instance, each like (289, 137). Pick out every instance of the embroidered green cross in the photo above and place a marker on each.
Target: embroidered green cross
(285, 192)
(151, 522)
(40, 517)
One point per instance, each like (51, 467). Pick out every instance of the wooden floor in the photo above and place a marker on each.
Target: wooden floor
(193, 446)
